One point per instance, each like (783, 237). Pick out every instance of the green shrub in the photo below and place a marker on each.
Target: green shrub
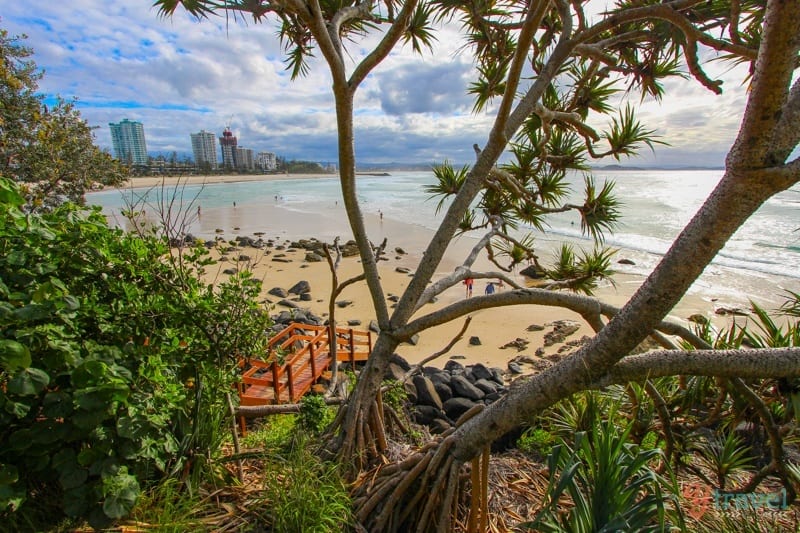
(304, 493)
(610, 482)
(536, 440)
(315, 414)
(115, 362)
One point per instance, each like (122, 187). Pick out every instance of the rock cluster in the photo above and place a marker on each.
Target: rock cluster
(440, 396)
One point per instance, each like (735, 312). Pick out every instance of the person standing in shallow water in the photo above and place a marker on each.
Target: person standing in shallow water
(468, 285)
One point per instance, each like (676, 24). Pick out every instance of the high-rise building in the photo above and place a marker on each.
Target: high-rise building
(244, 158)
(266, 161)
(228, 144)
(127, 137)
(204, 147)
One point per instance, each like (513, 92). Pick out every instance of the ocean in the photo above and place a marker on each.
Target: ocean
(656, 204)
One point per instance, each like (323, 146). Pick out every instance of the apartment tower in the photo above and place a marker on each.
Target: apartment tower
(127, 137)
(204, 147)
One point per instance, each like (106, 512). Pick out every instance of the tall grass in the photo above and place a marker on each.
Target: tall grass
(304, 493)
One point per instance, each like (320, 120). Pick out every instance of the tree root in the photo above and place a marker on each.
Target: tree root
(387, 499)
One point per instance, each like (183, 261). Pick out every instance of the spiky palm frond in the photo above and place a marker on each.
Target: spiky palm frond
(581, 272)
(552, 186)
(467, 222)
(296, 41)
(524, 163)
(791, 307)
(600, 211)
(419, 31)
(591, 94)
(627, 134)
(566, 150)
(449, 182)
(610, 481)
(773, 335)
(565, 263)
(531, 214)
(499, 203)
(725, 456)
(197, 8)
(517, 252)
(490, 84)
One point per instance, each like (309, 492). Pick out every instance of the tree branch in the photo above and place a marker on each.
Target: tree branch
(746, 364)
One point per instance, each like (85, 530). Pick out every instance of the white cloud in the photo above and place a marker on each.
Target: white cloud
(178, 75)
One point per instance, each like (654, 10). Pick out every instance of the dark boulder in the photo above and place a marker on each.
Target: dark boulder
(279, 292)
(486, 386)
(454, 367)
(300, 287)
(480, 371)
(462, 387)
(425, 414)
(426, 392)
(533, 272)
(443, 390)
(455, 407)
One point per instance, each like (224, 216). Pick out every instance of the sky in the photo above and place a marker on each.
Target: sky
(178, 75)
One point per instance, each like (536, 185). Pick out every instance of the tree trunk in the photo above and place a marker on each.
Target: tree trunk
(755, 170)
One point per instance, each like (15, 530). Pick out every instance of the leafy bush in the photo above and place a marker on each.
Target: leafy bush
(315, 415)
(536, 440)
(114, 364)
(609, 481)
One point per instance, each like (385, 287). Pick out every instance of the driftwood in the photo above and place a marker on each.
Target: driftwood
(257, 411)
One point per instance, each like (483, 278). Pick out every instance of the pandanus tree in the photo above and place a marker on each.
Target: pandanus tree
(547, 69)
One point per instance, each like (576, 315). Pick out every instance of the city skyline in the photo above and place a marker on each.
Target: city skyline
(177, 76)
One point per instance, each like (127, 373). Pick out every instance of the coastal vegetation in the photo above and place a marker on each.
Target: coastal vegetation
(118, 361)
(47, 148)
(116, 364)
(544, 69)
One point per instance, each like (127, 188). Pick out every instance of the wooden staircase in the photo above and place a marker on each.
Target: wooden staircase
(296, 358)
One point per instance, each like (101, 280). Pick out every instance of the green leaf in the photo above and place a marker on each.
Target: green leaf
(18, 409)
(11, 498)
(87, 374)
(16, 258)
(8, 474)
(19, 440)
(64, 459)
(72, 478)
(121, 492)
(9, 194)
(28, 382)
(14, 355)
(76, 501)
(88, 419)
(57, 404)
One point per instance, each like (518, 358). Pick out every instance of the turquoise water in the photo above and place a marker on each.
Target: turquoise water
(656, 206)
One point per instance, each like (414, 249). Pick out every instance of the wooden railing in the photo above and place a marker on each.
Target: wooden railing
(296, 358)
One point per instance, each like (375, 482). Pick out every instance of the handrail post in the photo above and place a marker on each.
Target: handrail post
(290, 381)
(352, 350)
(276, 381)
(313, 362)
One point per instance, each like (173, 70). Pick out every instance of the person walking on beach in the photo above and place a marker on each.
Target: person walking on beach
(489, 288)
(468, 285)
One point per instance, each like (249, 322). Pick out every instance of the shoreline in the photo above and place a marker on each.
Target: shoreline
(153, 181)
(284, 222)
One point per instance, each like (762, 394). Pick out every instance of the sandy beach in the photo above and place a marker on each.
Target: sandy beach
(153, 181)
(282, 265)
